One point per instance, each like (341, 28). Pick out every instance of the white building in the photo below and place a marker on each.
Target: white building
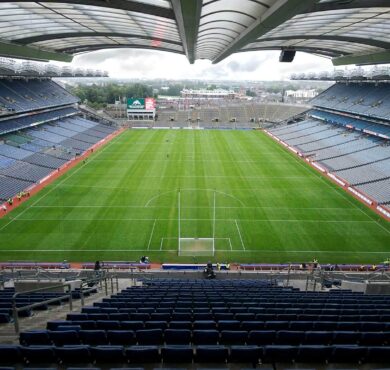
(301, 94)
(208, 94)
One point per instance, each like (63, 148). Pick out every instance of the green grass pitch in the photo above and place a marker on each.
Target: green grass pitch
(123, 203)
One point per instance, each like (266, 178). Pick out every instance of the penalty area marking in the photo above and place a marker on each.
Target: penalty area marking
(239, 233)
(194, 189)
(151, 234)
(222, 250)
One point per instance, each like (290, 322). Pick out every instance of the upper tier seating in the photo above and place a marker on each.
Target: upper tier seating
(18, 123)
(355, 123)
(181, 321)
(371, 100)
(27, 95)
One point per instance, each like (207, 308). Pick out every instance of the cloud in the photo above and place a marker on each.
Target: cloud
(148, 64)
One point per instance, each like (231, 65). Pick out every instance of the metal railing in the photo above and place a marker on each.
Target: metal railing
(88, 285)
(16, 309)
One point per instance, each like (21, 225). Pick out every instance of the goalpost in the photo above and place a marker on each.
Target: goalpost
(193, 246)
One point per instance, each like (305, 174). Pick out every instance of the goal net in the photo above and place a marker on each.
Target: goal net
(196, 246)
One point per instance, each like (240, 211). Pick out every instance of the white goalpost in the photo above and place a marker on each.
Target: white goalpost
(195, 246)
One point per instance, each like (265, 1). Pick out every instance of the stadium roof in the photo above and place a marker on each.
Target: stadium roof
(348, 31)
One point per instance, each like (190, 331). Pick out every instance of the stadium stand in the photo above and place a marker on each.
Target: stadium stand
(41, 132)
(349, 143)
(367, 99)
(224, 116)
(27, 95)
(224, 322)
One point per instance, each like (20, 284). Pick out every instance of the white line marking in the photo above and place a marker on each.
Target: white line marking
(195, 189)
(151, 234)
(200, 207)
(192, 219)
(239, 233)
(16, 218)
(175, 250)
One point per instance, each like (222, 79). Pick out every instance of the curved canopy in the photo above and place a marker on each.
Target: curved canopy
(352, 31)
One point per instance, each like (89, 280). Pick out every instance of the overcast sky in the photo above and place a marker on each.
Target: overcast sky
(260, 65)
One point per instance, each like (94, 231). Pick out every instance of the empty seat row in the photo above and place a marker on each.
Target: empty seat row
(266, 314)
(82, 354)
(67, 335)
(313, 324)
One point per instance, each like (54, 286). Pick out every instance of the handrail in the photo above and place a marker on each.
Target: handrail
(101, 278)
(16, 310)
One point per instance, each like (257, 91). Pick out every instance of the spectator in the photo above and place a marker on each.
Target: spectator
(97, 266)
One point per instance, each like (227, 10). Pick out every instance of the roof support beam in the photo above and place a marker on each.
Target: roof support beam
(59, 36)
(131, 6)
(280, 12)
(187, 15)
(374, 58)
(11, 50)
(351, 4)
(312, 50)
(87, 48)
(348, 39)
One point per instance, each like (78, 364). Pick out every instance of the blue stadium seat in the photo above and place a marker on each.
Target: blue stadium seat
(180, 325)
(234, 337)
(156, 325)
(203, 337)
(39, 354)
(280, 353)
(10, 354)
(313, 353)
(177, 354)
(109, 354)
(119, 316)
(85, 324)
(132, 325)
(261, 337)
(158, 316)
(290, 337)
(217, 354)
(318, 337)
(373, 339)
(229, 325)
(177, 336)
(93, 337)
(73, 354)
(345, 337)
(62, 338)
(204, 324)
(142, 354)
(378, 355)
(252, 325)
(245, 354)
(149, 336)
(108, 325)
(121, 337)
(301, 325)
(347, 354)
(34, 337)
